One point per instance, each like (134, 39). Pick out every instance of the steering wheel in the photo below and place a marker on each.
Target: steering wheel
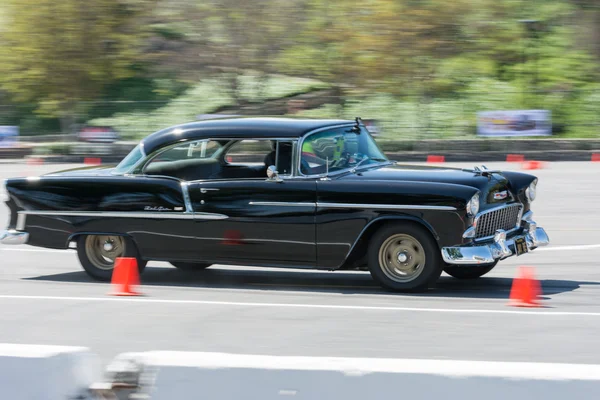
(343, 161)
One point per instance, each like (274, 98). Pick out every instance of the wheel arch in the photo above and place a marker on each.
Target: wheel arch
(74, 237)
(359, 249)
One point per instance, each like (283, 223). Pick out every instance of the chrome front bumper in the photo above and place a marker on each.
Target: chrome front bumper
(499, 249)
(13, 237)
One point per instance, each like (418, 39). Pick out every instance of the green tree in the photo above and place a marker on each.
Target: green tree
(57, 54)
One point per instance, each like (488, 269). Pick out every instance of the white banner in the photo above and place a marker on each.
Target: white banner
(8, 135)
(514, 123)
(98, 134)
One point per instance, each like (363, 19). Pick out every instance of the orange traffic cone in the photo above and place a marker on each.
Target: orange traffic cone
(525, 289)
(436, 159)
(125, 276)
(515, 158)
(533, 165)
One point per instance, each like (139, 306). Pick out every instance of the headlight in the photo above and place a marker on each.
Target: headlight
(473, 205)
(530, 192)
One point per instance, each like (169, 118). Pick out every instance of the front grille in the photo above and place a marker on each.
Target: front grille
(488, 222)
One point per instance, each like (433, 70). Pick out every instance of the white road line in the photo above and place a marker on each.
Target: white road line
(563, 248)
(304, 306)
(452, 368)
(27, 250)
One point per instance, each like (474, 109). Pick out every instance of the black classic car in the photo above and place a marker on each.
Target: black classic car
(293, 193)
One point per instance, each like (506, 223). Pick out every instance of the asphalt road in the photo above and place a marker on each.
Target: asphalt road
(45, 298)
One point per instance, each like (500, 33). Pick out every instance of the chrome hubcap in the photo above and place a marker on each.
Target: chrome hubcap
(103, 250)
(402, 258)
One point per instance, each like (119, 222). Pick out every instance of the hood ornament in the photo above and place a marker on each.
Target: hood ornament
(482, 170)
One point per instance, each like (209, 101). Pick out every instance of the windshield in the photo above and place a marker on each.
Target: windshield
(132, 158)
(338, 149)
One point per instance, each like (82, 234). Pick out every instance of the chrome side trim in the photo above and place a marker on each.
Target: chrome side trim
(126, 214)
(282, 203)
(13, 237)
(186, 197)
(21, 220)
(385, 206)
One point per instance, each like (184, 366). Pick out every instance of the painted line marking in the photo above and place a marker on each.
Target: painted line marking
(36, 350)
(302, 306)
(66, 251)
(451, 368)
(303, 285)
(563, 248)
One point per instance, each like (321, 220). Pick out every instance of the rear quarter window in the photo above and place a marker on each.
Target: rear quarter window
(249, 152)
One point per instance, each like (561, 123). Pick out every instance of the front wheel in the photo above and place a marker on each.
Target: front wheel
(97, 254)
(404, 258)
(468, 271)
(189, 266)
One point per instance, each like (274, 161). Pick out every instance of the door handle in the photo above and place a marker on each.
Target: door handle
(205, 190)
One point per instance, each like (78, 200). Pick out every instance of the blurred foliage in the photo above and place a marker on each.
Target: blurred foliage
(204, 97)
(423, 68)
(59, 53)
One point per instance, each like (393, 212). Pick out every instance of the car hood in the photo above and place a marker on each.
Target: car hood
(487, 185)
(96, 170)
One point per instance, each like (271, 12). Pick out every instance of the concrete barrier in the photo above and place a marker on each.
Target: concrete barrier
(179, 375)
(46, 372)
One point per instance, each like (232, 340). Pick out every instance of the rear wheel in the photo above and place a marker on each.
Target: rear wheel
(189, 266)
(469, 271)
(404, 258)
(97, 254)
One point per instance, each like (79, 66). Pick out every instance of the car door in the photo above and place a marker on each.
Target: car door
(259, 221)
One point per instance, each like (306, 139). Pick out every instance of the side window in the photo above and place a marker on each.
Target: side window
(263, 153)
(338, 149)
(187, 151)
(249, 152)
(188, 161)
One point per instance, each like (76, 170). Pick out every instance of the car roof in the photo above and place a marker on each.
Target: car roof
(238, 128)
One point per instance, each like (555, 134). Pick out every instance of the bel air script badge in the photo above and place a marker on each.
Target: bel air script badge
(500, 195)
(150, 208)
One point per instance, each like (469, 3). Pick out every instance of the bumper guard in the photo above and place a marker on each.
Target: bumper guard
(13, 237)
(499, 249)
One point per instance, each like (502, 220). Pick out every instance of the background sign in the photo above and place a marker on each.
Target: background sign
(8, 135)
(514, 123)
(98, 134)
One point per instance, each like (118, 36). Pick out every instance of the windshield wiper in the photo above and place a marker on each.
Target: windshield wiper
(365, 158)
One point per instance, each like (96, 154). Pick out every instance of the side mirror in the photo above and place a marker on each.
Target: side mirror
(272, 174)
